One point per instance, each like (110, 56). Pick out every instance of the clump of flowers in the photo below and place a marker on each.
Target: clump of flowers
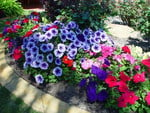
(62, 51)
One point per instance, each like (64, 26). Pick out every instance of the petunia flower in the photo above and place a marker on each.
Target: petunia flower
(111, 81)
(44, 65)
(57, 71)
(126, 49)
(101, 74)
(139, 77)
(39, 79)
(87, 64)
(102, 96)
(122, 86)
(124, 77)
(147, 98)
(146, 62)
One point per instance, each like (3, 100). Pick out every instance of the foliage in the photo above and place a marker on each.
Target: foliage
(11, 7)
(135, 14)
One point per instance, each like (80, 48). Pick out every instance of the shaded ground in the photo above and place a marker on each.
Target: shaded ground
(10, 104)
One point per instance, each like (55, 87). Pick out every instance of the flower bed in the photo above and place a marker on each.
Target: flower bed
(59, 51)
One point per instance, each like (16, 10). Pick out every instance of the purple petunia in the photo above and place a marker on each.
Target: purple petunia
(91, 92)
(58, 54)
(35, 64)
(103, 37)
(35, 49)
(42, 38)
(40, 57)
(63, 37)
(50, 47)
(30, 45)
(57, 71)
(39, 79)
(48, 35)
(101, 74)
(28, 54)
(96, 48)
(83, 82)
(44, 48)
(50, 57)
(44, 65)
(61, 47)
(53, 32)
(72, 52)
(58, 61)
(81, 37)
(102, 96)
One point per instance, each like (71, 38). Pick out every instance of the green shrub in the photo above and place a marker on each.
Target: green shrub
(89, 13)
(135, 14)
(11, 7)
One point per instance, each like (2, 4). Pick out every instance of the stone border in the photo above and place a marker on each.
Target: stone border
(37, 99)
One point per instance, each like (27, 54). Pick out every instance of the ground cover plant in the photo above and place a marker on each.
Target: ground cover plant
(11, 7)
(61, 51)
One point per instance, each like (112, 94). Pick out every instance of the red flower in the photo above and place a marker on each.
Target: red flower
(111, 81)
(122, 86)
(7, 23)
(1, 35)
(34, 27)
(54, 26)
(147, 98)
(124, 77)
(17, 27)
(9, 30)
(35, 19)
(26, 20)
(131, 97)
(7, 39)
(127, 97)
(10, 44)
(35, 13)
(146, 62)
(139, 77)
(67, 61)
(28, 33)
(122, 102)
(17, 54)
(126, 49)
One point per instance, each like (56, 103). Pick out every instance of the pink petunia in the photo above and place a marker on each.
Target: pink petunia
(107, 50)
(118, 58)
(139, 77)
(129, 58)
(87, 64)
(131, 97)
(147, 98)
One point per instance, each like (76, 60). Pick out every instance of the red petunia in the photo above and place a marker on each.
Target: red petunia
(17, 27)
(7, 38)
(26, 20)
(122, 86)
(35, 13)
(146, 62)
(124, 77)
(28, 33)
(126, 49)
(111, 81)
(1, 35)
(122, 102)
(139, 77)
(147, 98)
(35, 19)
(34, 27)
(67, 61)
(54, 26)
(7, 23)
(9, 30)
(17, 54)
(131, 97)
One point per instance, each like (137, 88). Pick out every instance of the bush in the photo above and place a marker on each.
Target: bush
(135, 14)
(11, 7)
